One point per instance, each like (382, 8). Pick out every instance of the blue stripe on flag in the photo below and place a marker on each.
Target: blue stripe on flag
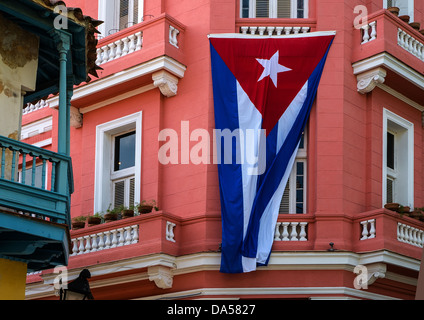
(230, 177)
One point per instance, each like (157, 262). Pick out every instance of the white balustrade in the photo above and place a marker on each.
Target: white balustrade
(369, 32)
(410, 235)
(34, 107)
(368, 229)
(173, 33)
(120, 48)
(170, 231)
(410, 44)
(273, 31)
(105, 240)
(291, 231)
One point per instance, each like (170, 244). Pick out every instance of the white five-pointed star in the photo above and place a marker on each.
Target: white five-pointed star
(272, 68)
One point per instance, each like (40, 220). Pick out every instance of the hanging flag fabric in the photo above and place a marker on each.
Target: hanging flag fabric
(263, 89)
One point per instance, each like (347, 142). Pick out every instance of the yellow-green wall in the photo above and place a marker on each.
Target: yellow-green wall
(12, 280)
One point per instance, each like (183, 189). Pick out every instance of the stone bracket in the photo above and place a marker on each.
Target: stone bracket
(162, 276)
(368, 80)
(166, 82)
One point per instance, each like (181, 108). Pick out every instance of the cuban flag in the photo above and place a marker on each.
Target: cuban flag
(263, 90)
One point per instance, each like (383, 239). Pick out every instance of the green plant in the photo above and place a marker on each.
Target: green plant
(79, 219)
(98, 215)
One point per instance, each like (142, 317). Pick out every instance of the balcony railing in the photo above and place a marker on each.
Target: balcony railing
(157, 37)
(35, 181)
(274, 27)
(384, 32)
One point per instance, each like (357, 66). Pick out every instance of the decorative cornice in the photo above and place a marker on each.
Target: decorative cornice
(368, 80)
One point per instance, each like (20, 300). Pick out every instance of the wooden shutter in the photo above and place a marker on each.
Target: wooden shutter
(285, 201)
(131, 200)
(119, 193)
(262, 8)
(284, 9)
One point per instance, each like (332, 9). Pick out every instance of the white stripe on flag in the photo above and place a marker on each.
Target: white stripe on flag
(270, 215)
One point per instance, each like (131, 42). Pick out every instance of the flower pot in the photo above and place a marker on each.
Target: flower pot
(127, 214)
(422, 31)
(392, 206)
(94, 220)
(78, 225)
(404, 209)
(416, 214)
(394, 10)
(404, 19)
(111, 217)
(415, 25)
(145, 208)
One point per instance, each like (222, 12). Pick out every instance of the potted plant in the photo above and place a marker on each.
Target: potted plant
(128, 212)
(392, 206)
(78, 222)
(417, 214)
(112, 214)
(415, 25)
(394, 10)
(404, 18)
(146, 206)
(95, 219)
(404, 210)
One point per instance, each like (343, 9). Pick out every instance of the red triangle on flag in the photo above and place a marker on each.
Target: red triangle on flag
(290, 62)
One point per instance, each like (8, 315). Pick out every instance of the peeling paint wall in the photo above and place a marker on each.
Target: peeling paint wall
(18, 74)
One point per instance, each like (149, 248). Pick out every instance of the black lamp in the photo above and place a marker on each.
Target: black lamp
(79, 289)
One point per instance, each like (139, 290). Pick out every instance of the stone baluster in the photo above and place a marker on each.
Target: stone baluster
(277, 233)
(293, 233)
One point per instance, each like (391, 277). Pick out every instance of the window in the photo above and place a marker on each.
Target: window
(406, 7)
(294, 197)
(274, 8)
(123, 169)
(118, 163)
(398, 160)
(119, 14)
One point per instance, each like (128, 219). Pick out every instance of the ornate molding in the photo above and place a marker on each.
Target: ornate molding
(162, 276)
(367, 81)
(166, 82)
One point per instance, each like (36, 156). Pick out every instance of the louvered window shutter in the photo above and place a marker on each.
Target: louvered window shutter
(284, 9)
(119, 193)
(131, 200)
(389, 191)
(262, 8)
(285, 201)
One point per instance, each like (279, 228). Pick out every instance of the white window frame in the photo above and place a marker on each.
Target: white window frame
(410, 12)
(403, 174)
(273, 9)
(111, 17)
(124, 175)
(103, 185)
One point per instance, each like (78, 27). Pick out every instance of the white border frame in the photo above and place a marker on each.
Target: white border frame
(409, 127)
(102, 180)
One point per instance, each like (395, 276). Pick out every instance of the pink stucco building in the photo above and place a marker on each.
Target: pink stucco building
(363, 148)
